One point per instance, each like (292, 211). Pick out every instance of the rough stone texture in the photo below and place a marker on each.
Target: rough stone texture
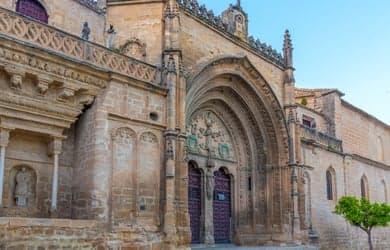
(128, 135)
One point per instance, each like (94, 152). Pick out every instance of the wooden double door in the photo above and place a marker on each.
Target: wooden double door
(221, 205)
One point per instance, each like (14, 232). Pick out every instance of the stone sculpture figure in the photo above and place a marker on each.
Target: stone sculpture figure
(210, 184)
(111, 37)
(86, 31)
(22, 187)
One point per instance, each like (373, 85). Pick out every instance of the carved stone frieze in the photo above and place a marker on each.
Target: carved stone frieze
(209, 137)
(56, 70)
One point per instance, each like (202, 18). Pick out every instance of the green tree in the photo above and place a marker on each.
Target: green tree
(363, 214)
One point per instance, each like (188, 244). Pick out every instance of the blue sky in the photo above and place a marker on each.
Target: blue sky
(343, 44)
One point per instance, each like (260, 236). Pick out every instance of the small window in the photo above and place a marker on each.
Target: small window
(308, 121)
(329, 185)
(33, 9)
(364, 187)
(249, 183)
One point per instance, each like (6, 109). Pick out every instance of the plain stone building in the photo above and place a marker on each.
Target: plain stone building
(154, 124)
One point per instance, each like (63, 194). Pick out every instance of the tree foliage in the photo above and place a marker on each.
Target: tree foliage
(363, 214)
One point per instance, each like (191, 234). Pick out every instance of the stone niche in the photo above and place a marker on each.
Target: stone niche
(134, 47)
(22, 189)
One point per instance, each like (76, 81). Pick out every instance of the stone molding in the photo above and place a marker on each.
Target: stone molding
(40, 222)
(15, 26)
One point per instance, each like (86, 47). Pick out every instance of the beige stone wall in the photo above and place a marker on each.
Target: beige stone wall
(69, 15)
(115, 135)
(142, 21)
(46, 234)
(333, 232)
(364, 136)
(201, 44)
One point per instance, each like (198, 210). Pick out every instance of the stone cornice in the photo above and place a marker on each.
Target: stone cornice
(369, 161)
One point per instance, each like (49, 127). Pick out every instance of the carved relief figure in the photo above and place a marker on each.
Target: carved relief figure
(209, 184)
(208, 136)
(23, 187)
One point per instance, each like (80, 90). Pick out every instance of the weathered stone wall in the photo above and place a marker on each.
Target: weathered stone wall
(333, 232)
(364, 135)
(70, 16)
(119, 160)
(142, 21)
(47, 234)
(200, 44)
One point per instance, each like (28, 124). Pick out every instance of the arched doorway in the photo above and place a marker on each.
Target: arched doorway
(234, 120)
(194, 201)
(33, 9)
(222, 207)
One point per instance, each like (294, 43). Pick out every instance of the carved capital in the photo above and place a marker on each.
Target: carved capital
(86, 99)
(65, 93)
(4, 137)
(55, 145)
(43, 84)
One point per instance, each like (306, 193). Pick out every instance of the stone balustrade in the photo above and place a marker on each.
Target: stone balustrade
(18, 27)
(310, 134)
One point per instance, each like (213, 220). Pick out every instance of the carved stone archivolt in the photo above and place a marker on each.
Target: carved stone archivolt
(230, 91)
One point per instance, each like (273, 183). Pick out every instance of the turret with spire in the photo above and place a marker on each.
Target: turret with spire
(236, 21)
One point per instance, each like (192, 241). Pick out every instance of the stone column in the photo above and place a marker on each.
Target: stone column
(4, 139)
(171, 153)
(209, 212)
(55, 150)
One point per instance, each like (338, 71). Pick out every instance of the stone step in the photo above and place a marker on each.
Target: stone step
(233, 247)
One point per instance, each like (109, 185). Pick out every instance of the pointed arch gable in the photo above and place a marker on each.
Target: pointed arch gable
(364, 187)
(331, 192)
(268, 104)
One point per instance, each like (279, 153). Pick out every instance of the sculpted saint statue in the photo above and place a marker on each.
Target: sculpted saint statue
(22, 187)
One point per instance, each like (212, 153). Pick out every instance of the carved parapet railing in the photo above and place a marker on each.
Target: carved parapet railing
(208, 16)
(314, 136)
(15, 26)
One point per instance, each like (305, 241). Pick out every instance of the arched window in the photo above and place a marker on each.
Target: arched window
(330, 184)
(384, 191)
(364, 187)
(33, 9)
(380, 150)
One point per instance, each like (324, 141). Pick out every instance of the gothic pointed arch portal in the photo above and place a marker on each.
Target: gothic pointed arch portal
(234, 120)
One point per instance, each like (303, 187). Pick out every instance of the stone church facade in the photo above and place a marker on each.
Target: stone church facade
(154, 124)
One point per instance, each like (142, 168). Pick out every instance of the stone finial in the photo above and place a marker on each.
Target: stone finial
(288, 50)
(86, 31)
